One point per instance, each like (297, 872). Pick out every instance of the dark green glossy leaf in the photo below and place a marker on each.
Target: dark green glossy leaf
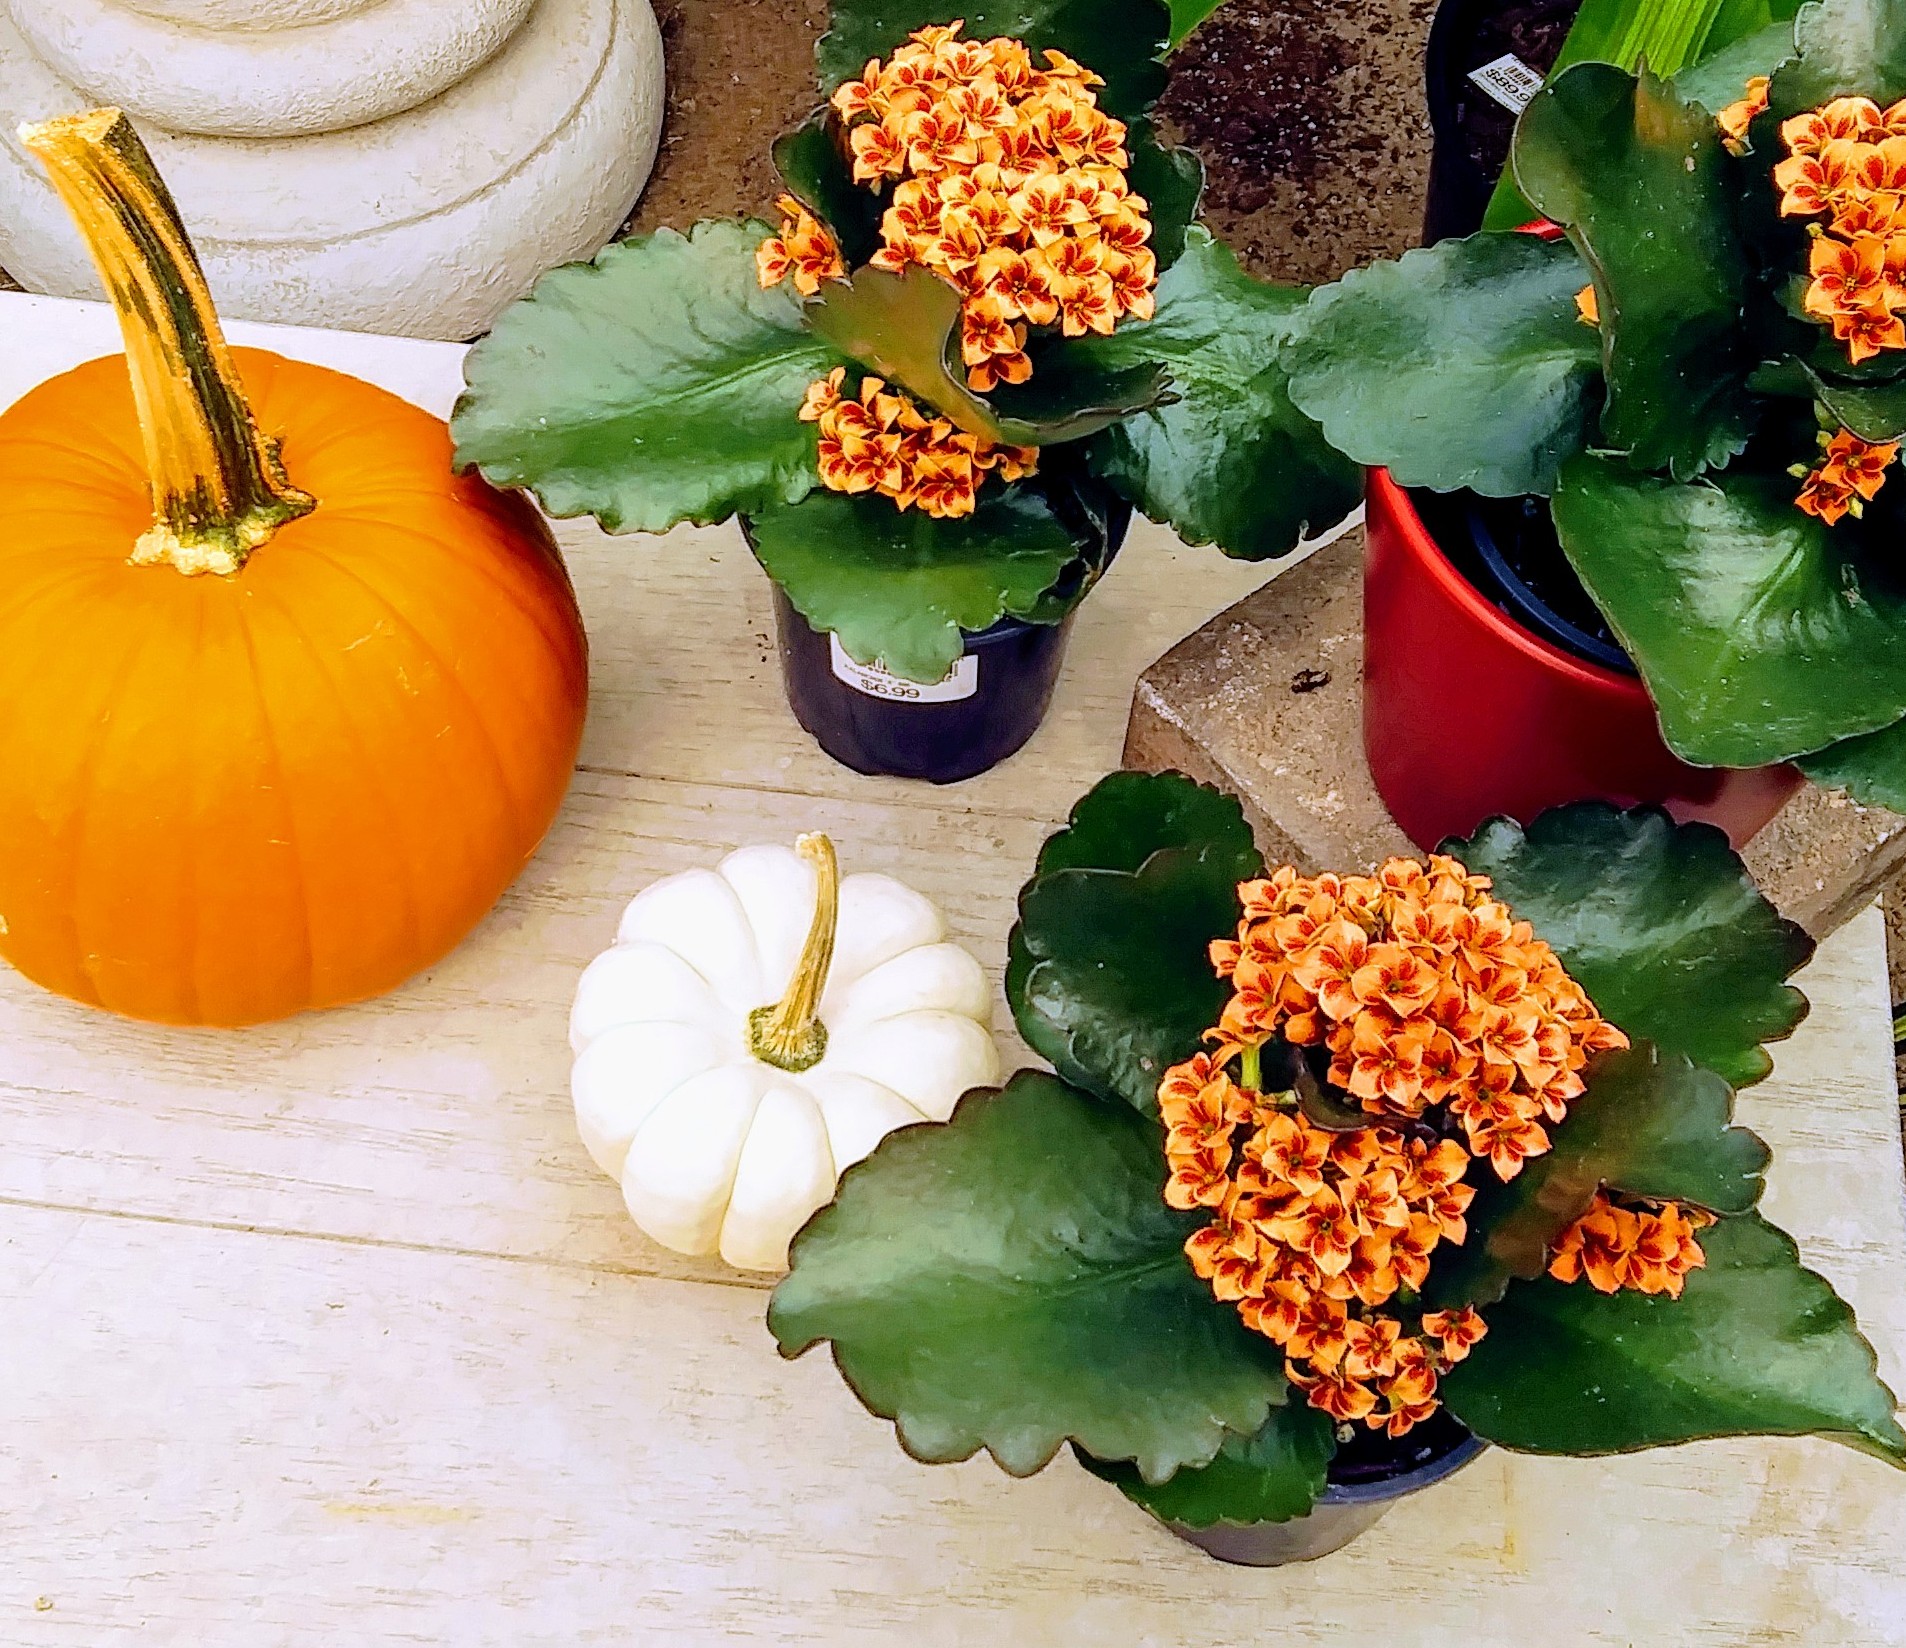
(1127, 816)
(1761, 633)
(1013, 1280)
(1871, 769)
(1461, 365)
(1109, 971)
(1122, 42)
(810, 164)
(1845, 47)
(1639, 179)
(1270, 1477)
(1721, 77)
(1873, 411)
(656, 385)
(899, 587)
(906, 327)
(1659, 922)
(1206, 461)
(1755, 1346)
(1171, 183)
(1652, 1126)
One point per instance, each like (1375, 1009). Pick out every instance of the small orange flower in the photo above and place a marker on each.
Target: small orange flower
(1737, 117)
(1613, 1246)
(1847, 275)
(803, 251)
(1334, 1391)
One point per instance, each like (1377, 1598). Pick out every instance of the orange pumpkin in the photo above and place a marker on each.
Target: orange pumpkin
(284, 744)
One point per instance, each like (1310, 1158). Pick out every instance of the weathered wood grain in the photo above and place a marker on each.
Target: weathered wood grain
(330, 1333)
(224, 1440)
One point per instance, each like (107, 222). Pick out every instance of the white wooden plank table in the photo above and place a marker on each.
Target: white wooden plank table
(329, 1333)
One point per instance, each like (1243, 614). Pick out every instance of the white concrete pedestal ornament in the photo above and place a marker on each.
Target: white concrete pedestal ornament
(403, 166)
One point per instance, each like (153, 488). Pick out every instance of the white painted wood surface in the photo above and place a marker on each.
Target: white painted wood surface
(330, 1333)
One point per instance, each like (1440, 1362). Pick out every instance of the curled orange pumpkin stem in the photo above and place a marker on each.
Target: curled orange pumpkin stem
(219, 489)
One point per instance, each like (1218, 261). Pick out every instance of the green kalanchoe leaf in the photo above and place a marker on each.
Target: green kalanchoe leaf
(1127, 816)
(1108, 970)
(1122, 43)
(1846, 47)
(906, 327)
(1871, 769)
(1013, 1280)
(1460, 365)
(810, 164)
(1720, 79)
(1170, 180)
(1201, 462)
(1756, 1345)
(1659, 922)
(899, 587)
(1649, 1125)
(1270, 1477)
(1761, 633)
(1873, 411)
(1639, 179)
(656, 385)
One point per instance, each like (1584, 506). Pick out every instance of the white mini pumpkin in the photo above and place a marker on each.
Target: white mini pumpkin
(757, 1029)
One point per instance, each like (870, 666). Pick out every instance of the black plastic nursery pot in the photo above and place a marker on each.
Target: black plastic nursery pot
(986, 709)
(1471, 128)
(1368, 1476)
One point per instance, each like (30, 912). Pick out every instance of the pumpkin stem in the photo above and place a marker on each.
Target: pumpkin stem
(790, 1035)
(218, 487)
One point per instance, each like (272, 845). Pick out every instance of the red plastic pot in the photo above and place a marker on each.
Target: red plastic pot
(1466, 714)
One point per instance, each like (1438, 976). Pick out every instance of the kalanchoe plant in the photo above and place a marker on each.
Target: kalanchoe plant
(1706, 378)
(987, 306)
(1324, 1155)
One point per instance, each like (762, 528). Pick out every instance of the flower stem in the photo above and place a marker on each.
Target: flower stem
(1251, 1069)
(789, 1035)
(218, 487)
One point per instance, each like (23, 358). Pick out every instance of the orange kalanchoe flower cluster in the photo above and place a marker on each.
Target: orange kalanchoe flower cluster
(1426, 991)
(1846, 162)
(882, 442)
(1649, 1247)
(1846, 478)
(1312, 1232)
(1456, 1029)
(1009, 181)
(803, 251)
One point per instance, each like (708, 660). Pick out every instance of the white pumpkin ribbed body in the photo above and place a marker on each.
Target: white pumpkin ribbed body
(716, 1151)
(426, 220)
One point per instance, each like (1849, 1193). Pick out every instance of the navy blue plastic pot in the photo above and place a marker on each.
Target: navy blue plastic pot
(1346, 1509)
(986, 710)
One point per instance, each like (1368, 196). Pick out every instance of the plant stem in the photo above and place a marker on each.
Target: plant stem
(789, 1035)
(1251, 1069)
(218, 488)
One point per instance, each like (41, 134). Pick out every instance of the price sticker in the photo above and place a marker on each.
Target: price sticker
(1509, 80)
(962, 681)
